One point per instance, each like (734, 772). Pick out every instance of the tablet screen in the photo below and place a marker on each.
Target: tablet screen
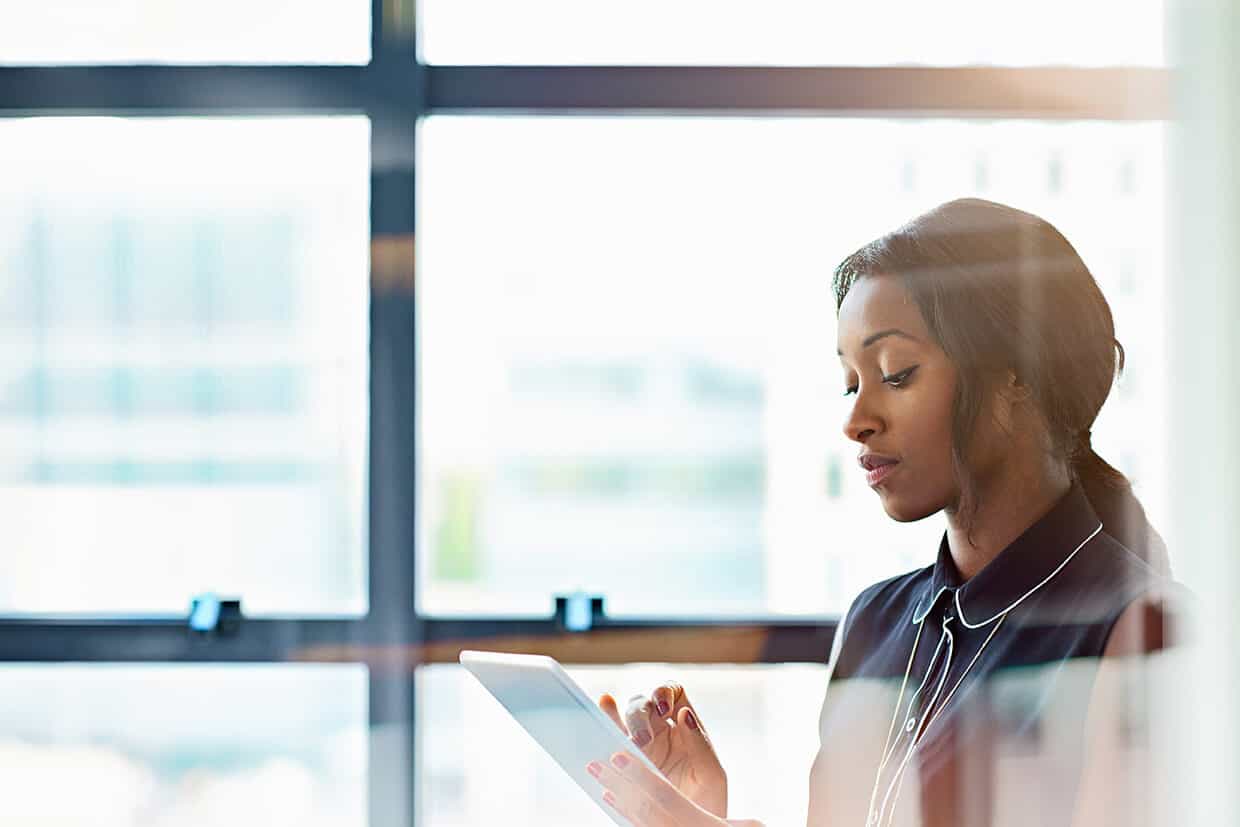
(554, 710)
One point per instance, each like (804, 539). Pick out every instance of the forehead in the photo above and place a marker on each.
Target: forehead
(877, 303)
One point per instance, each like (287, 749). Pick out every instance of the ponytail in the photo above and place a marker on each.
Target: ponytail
(1123, 517)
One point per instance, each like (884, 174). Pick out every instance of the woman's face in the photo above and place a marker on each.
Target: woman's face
(902, 387)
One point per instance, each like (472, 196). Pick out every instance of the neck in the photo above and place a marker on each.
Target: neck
(1009, 505)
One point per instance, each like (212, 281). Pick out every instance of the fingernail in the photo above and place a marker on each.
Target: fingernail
(642, 737)
(620, 760)
(663, 708)
(691, 721)
(609, 798)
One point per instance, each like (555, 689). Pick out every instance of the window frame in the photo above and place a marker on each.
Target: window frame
(395, 90)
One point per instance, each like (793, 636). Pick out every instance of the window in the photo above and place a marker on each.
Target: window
(615, 355)
(184, 744)
(791, 33)
(184, 301)
(151, 31)
(636, 372)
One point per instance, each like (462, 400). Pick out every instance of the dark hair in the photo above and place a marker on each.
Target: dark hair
(1002, 290)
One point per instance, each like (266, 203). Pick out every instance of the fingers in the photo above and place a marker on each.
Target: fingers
(643, 720)
(670, 699)
(644, 797)
(608, 704)
(692, 736)
(646, 718)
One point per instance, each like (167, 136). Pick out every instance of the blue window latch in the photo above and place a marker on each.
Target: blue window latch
(578, 611)
(210, 614)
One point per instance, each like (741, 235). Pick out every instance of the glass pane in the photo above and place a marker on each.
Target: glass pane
(752, 712)
(627, 345)
(183, 385)
(792, 32)
(158, 746)
(157, 31)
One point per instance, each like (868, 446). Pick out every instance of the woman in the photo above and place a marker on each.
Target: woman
(978, 350)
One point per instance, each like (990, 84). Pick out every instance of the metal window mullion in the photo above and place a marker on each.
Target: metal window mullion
(169, 640)
(1125, 93)
(393, 103)
(431, 640)
(178, 90)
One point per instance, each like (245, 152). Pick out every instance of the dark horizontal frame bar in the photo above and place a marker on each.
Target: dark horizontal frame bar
(425, 641)
(191, 89)
(163, 639)
(1111, 94)
(1042, 93)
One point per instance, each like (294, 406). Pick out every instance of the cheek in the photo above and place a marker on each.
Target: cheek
(920, 418)
(933, 425)
(927, 444)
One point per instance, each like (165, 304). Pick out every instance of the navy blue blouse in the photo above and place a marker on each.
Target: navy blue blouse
(943, 646)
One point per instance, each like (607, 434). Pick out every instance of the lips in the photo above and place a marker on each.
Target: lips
(877, 467)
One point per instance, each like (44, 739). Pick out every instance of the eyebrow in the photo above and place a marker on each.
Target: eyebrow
(882, 334)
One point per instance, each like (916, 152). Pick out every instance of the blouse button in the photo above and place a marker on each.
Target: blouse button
(909, 724)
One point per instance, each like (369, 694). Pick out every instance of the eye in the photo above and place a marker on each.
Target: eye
(898, 379)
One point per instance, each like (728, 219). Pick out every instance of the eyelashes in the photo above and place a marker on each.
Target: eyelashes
(898, 379)
(895, 380)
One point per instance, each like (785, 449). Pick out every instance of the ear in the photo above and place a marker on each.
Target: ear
(1018, 389)
(1014, 391)
(1006, 402)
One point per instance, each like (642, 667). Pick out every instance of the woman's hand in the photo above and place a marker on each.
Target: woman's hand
(647, 799)
(667, 729)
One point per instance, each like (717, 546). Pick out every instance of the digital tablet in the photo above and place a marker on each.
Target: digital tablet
(555, 711)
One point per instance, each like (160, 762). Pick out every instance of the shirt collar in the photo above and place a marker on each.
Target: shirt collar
(1031, 561)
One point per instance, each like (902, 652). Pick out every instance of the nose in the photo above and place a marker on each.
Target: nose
(862, 421)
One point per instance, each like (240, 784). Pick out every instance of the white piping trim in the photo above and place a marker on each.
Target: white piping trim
(963, 675)
(960, 611)
(889, 749)
(921, 734)
(920, 614)
(897, 782)
(895, 713)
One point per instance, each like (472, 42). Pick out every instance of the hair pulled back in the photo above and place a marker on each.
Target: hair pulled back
(1002, 290)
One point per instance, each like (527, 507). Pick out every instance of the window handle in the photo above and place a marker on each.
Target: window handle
(210, 614)
(578, 611)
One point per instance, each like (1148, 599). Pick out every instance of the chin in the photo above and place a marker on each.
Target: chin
(906, 510)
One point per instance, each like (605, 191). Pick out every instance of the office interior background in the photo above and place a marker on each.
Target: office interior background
(604, 370)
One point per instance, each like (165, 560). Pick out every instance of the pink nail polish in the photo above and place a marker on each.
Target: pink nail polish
(609, 798)
(594, 768)
(663, 708)
(691, 721)
(620, 760)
